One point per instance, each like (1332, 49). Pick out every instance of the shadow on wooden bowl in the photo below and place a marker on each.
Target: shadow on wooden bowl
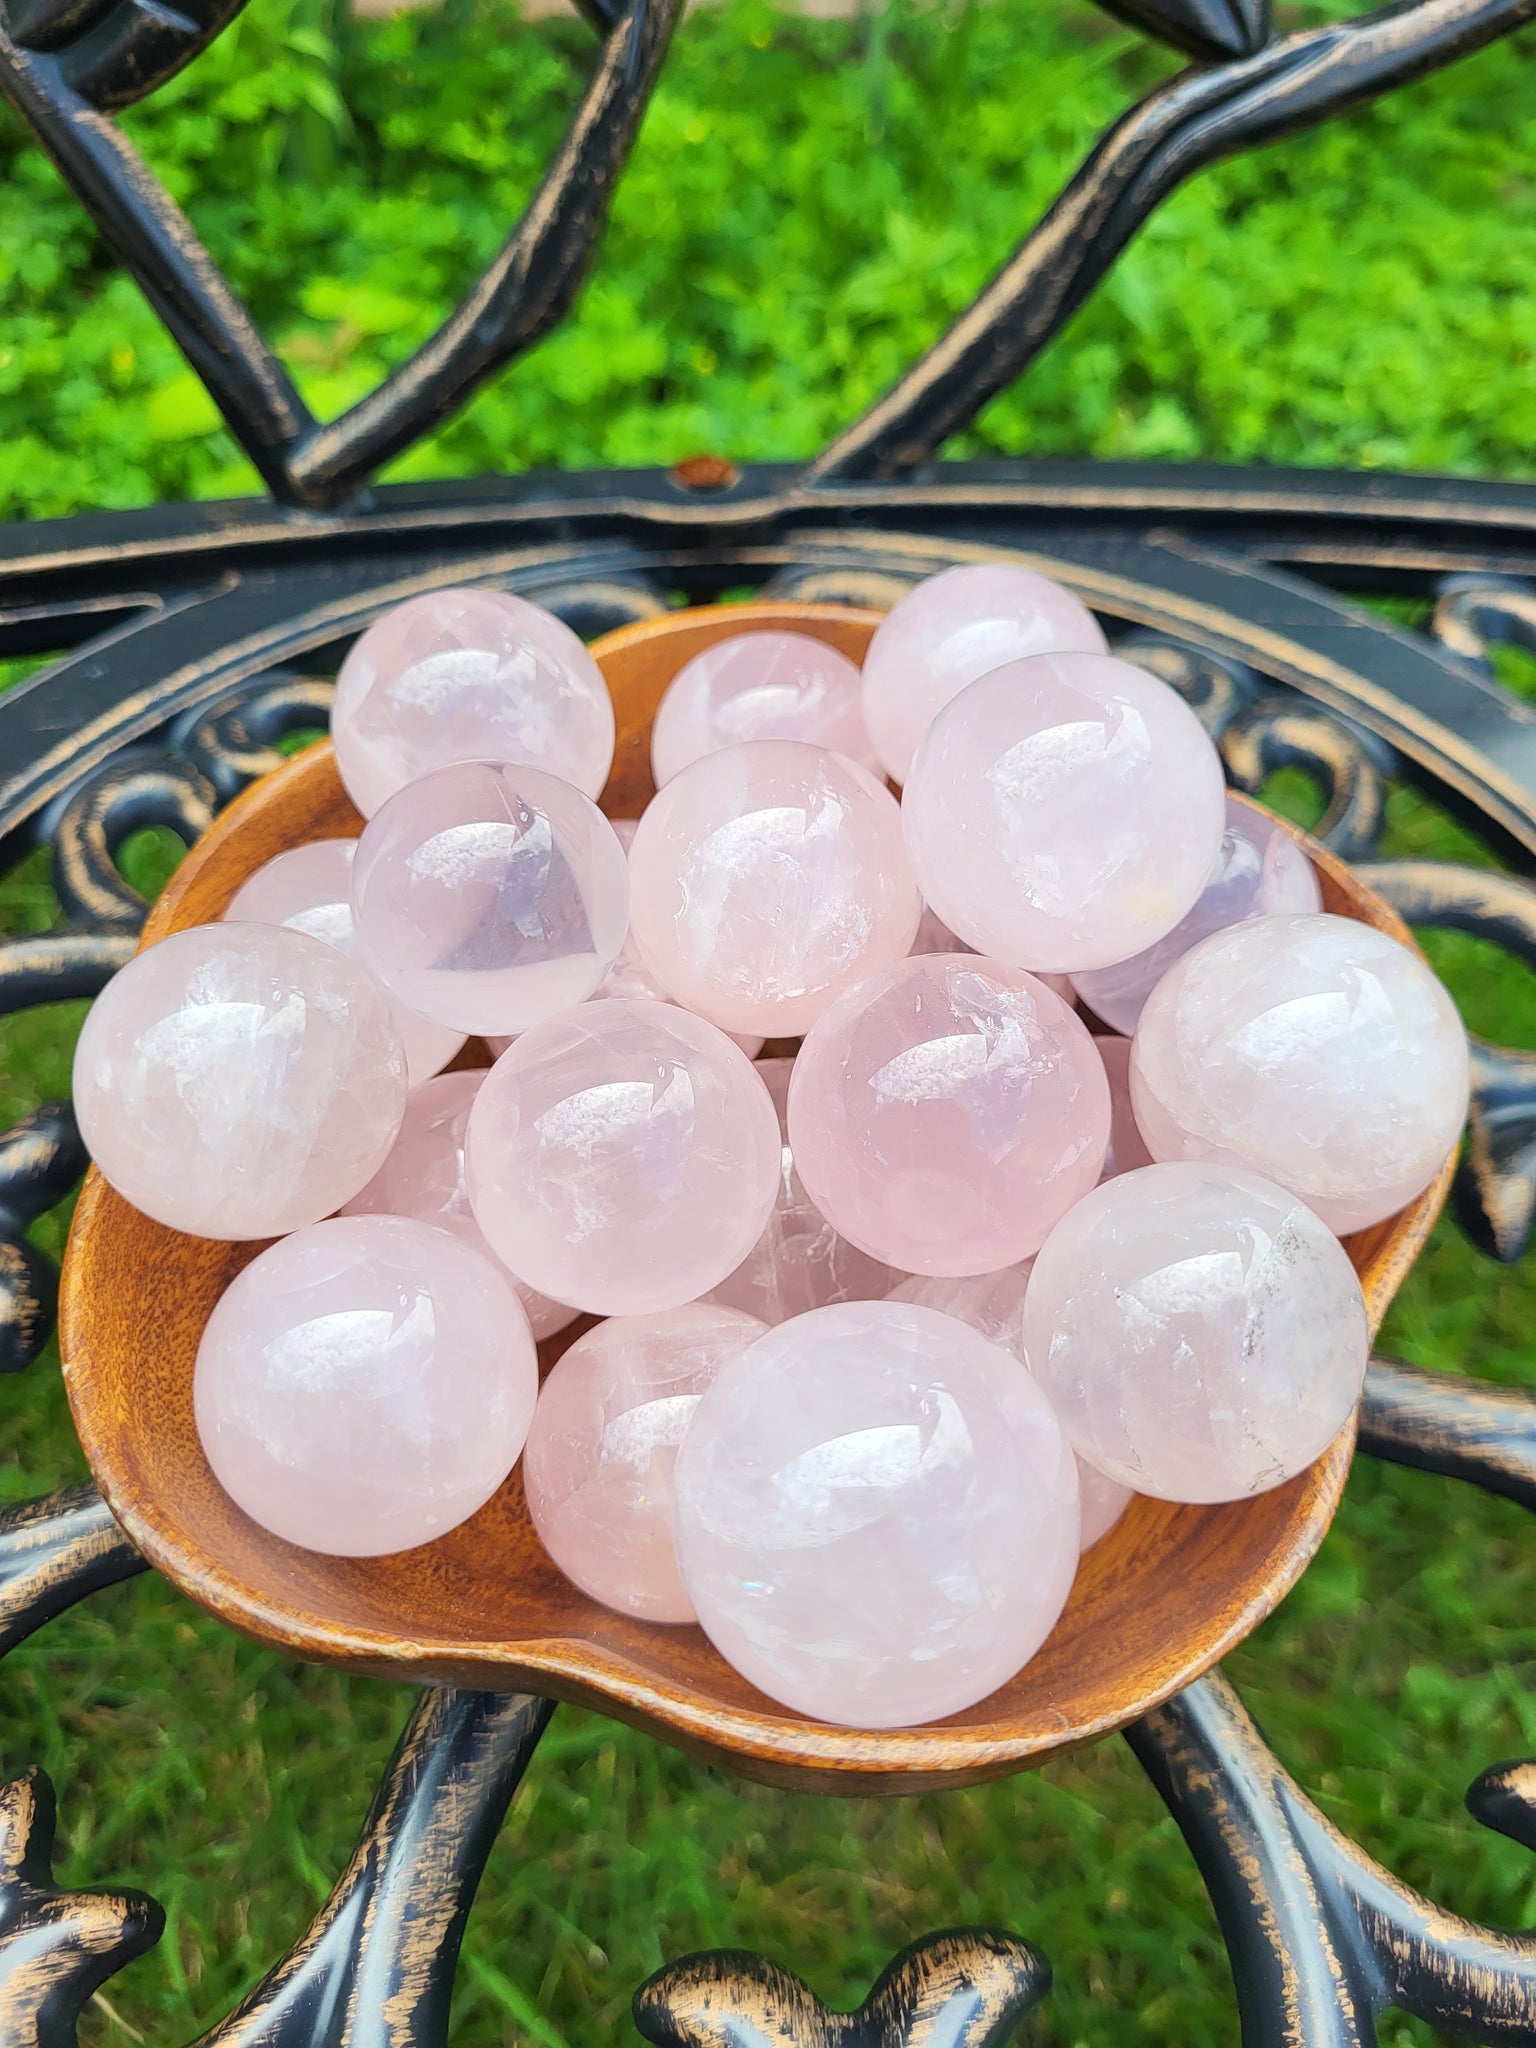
(1157, 1602)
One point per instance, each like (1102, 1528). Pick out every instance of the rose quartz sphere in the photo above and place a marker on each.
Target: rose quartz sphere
(468, 675)
(877, 1515)
(799, 1262)
(623, 1156)
(425, 1177)
(239, 1080)
(1199, 1331)
(951, 629)
(1259, 872)
(992, 1304)
(760, 686)
(765, 880)
(309, 889)
(489, 897)
(943, 1115)
(1313, 1050)
(598, 1466)
(1064, 812)
(365, 1385)
(1127, 1147)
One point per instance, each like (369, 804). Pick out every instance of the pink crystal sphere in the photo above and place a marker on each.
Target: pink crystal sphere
(309, 889)
(1127, 1147)
(1259, 872)
(365, 1385)
(765, 880)
(1313, 1050)
(760, 686)
(489, 897)
(468, 675)
(1200, 1332)
(877, 1515)
(598, 1467)
(425, 1177)
(623, 1156)
(952, 628)
(992, 1304)
(944, 1114)
(799, 1262)
(239, 1080)
(1064, 812)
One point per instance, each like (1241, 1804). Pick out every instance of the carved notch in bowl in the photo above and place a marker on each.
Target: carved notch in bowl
(1157, 1602)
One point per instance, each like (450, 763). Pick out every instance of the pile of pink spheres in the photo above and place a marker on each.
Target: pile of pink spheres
(894, 1328)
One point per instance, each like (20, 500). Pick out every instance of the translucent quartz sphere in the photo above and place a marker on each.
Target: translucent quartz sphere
(490, 897)
(425, 1177)
(799, 1262)
(1127, 1147)
(239, 1080)
(1313, 1050)
(765, 880)
(309, 889)
(877, 1515)
(1259, 872)
(944, 1114)
(600, 1456)
(992, 1304)
(365, 1385)
(1200, 1332)
(951, 629)
(468, 675)
(623, 1156)
(760, 686)
(1064, 812)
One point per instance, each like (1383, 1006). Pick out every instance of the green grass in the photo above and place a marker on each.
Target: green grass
(808, 204)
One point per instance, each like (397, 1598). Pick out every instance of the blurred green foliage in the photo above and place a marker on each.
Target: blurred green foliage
(809, 203)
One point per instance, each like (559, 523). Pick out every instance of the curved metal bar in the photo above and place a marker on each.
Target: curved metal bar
(966, 1989)
(58, 965)
(53, 1552)
(1279, 733)
(137, 46)
(56, 1947)
(41, 1158)
(1173, 132)
(119, 800)
(376, 1968)
(526, 289)
(1322, 1939)
(158, 244)
(1464, 1429)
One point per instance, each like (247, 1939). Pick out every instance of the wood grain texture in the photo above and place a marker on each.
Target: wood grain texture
(1156, 1603)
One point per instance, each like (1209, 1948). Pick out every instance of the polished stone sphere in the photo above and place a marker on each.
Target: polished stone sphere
(765, 880)
(992, 1304)
(1315, 1051)
(760, 686)
(799, 1262)
(239, 1080)
(309, 889)
(489, 897)
(1064, 812)
(425, 1177)
(1259, 872)
(598, 1466)
(1127, 1147)
(952, 628)
(1201, 1334)
(877, 1515)
(946, 1113)
(468, 675)
(365, 1385)
(624, 1156)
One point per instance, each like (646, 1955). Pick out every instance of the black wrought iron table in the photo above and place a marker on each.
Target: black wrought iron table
(199, 637)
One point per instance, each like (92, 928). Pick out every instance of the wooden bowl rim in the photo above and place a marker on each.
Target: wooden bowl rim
(771, 1742)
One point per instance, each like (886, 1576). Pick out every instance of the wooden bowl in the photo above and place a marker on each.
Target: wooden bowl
(1156, 1602)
